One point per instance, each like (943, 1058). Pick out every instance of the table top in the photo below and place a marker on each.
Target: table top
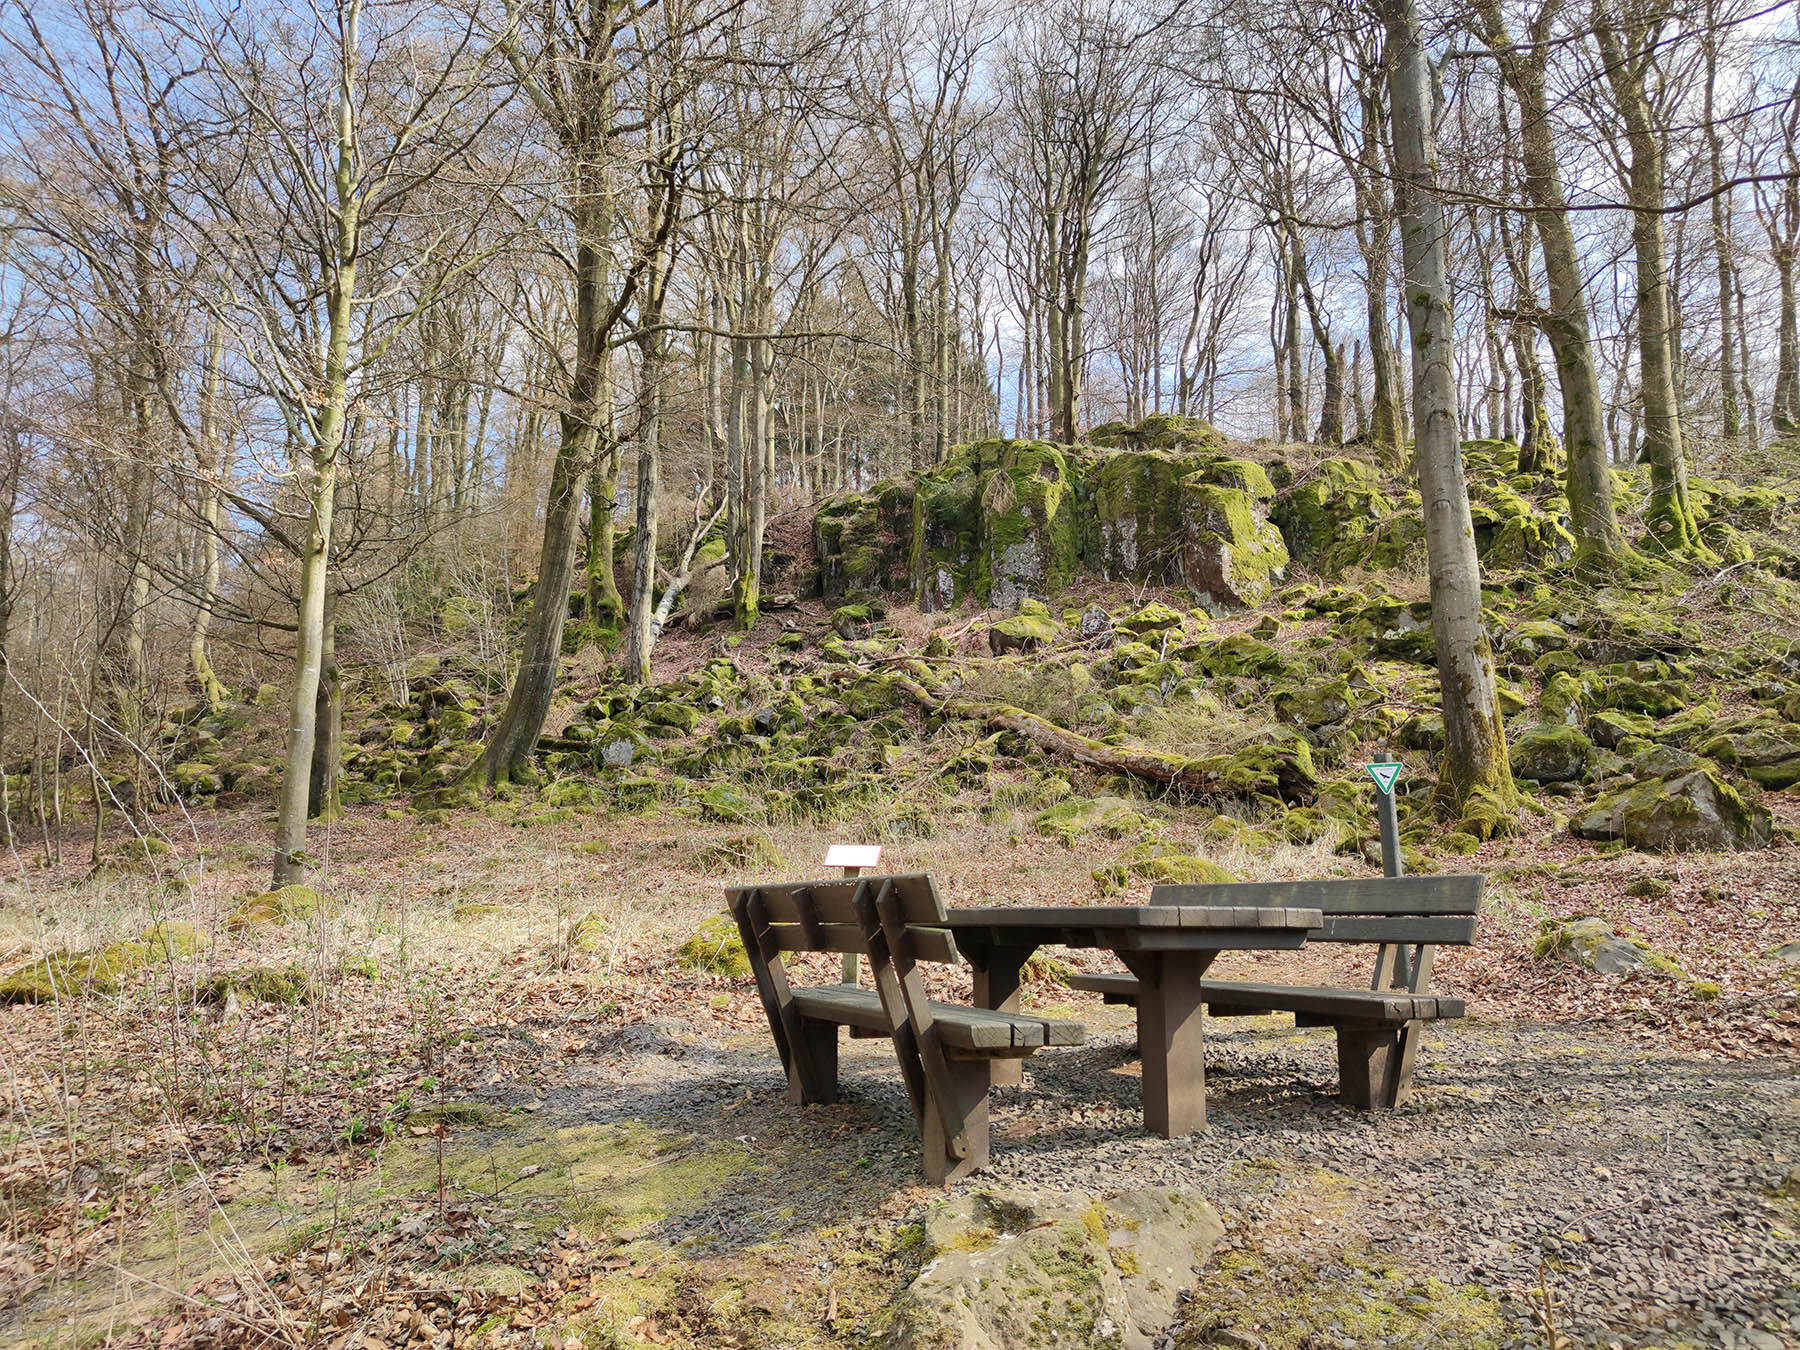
(1140, 927)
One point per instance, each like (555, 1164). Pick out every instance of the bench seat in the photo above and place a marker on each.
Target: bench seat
(1236, 998)
(974, 1030)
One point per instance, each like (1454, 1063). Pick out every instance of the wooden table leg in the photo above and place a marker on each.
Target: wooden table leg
(1171, 1039)
(997, 987)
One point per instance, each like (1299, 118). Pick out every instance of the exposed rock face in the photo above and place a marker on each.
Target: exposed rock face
(1001, 521)
(1012, 1271)
(996, 522)
(1230, 554)
(1690, 812)
(864, 541)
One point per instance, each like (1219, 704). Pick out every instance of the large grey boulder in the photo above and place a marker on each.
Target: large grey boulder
(1687, 813)
(1016, 1271)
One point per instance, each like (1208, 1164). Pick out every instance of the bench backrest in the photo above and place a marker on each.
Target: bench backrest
(835, 915)
(1408, 916)
(1442, 910)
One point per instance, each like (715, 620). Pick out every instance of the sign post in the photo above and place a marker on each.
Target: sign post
(1386, 773)
(852, 858)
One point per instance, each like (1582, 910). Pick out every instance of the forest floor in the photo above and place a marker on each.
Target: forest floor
(497, 1121)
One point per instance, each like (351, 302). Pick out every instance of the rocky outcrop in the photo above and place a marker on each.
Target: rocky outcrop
(1001, 521)
(1015, 1271)
(864, 541)
(996, 522)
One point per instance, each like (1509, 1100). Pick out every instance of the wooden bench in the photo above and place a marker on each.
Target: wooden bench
(944, 1049)
(1378, 1028)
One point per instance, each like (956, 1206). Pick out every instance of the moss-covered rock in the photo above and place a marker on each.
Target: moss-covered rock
(864, 541)
(1159, 864)
(1232, 556)
(65, 974)
(1592, 942)
(281, 905)
(174, 939)
(1610, 726)
(997, 521)
(1337, 517)
(1025, 631)
(1134, 525)
(286, 986)
(1551, 754)
(1161, 431)
(715, 949)
(1104, 817)
(1693, 811)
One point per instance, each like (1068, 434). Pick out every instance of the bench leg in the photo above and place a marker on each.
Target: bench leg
(1172, 1040)
(997, 987)
(968, 1104)
(1375, 1064)
(815, 1060)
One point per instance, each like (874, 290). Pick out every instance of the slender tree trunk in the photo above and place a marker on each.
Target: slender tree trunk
(216, 447)
(328, 721)
(1669, 515)
(1475, 737)
(321, 486)
(507, 756)
(1588, 483)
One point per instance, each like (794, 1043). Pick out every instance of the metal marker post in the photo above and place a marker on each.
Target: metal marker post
(1386, 774)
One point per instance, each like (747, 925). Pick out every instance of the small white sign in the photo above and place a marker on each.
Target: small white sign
(1385, 776)
(853, 855)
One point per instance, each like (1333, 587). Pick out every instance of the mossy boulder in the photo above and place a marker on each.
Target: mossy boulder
(1104, 817)
(1161, 431)
(1690, 812)
(1551, 754)
(286, 986)
(1025, 631)
(68, 974)
(1337, 518)
(1592, 942)
(1158, 864)
(1768, 757)
(282, 905)
(1316, 705)
(723, 802)
(1534, 637)
(174, 939)
(1610, 726)
(1009, 1270)
(1512, 531)
(715, 949)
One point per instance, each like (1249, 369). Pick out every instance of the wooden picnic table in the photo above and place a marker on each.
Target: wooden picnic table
(1168, 948)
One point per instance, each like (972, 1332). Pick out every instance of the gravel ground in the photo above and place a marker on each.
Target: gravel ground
(1650, 1183)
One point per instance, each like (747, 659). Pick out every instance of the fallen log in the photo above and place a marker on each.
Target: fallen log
(1283, 769)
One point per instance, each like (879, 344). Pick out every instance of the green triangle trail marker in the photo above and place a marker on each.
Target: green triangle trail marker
(1385, 775)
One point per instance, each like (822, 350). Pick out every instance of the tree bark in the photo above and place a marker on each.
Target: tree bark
(321, 480)
(1594, 522)
(1475, 737)
(1669, 515)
